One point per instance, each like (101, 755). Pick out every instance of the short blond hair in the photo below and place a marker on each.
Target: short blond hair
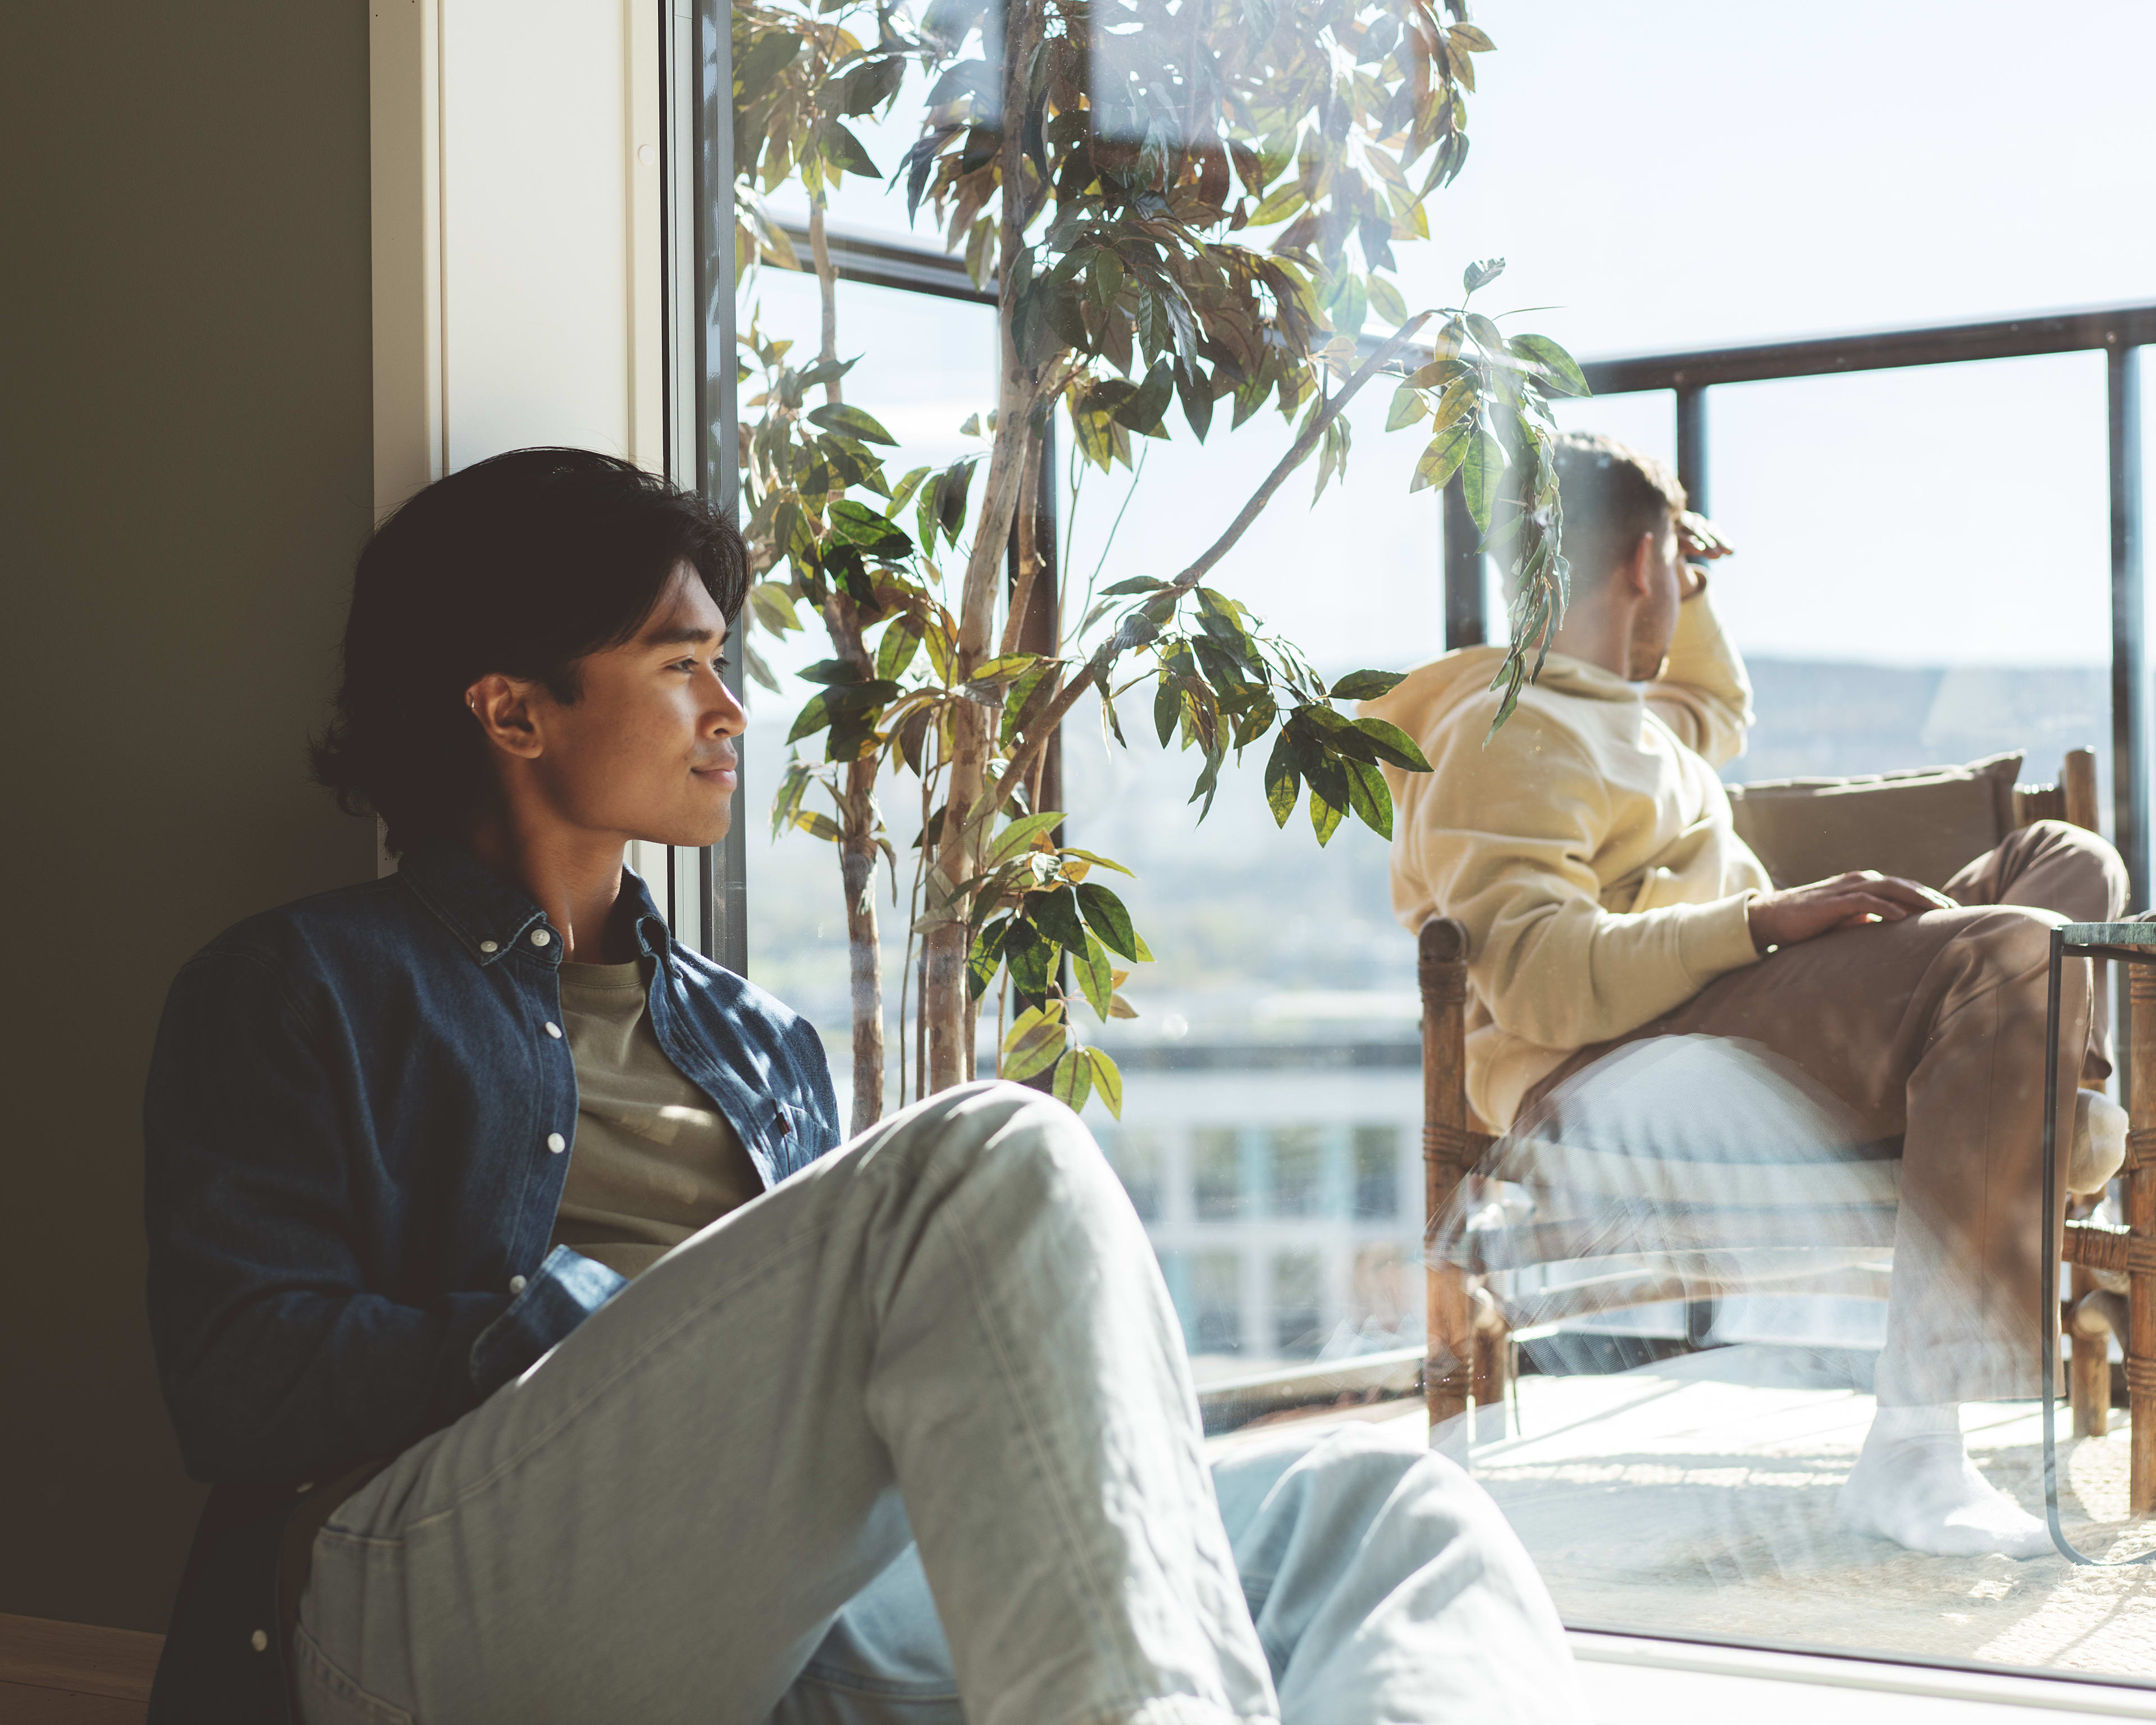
(1611, 493)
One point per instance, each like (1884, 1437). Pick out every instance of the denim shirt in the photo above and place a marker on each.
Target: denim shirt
(359, 1124)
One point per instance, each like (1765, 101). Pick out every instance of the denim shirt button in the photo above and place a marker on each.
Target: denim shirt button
(516, 1283)
(489, 945)
(260, 1640)
(557, 1142)
(553, 1029)
(540, 936)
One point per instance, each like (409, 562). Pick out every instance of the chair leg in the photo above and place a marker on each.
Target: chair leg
(1493, 1358)
(1448, 1365)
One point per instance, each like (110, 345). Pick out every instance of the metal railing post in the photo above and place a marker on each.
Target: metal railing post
(1691, 442)
(1466, 604)
(2129, 692)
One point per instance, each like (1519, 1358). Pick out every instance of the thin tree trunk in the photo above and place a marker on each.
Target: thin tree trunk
(946, 1001)
(857, 845)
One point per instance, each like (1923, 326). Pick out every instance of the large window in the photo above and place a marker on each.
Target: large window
(1929, 571)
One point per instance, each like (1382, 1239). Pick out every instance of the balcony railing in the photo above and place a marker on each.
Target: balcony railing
(2116, 331)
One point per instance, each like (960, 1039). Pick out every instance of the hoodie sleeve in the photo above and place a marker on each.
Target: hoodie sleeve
(1504, 837)
(1703, 694)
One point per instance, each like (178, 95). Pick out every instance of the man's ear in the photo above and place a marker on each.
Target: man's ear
(1636, 574)
(504, 707)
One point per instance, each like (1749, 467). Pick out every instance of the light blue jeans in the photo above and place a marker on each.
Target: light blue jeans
(705, 1503)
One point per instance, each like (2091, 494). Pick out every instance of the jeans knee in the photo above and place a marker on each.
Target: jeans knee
(1006, 1133)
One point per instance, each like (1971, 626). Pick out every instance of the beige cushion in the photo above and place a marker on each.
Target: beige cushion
(1924, 824)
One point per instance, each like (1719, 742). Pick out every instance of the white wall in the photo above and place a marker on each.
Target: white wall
(517, 235)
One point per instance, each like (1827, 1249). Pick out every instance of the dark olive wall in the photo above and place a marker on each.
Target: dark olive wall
(185, 454)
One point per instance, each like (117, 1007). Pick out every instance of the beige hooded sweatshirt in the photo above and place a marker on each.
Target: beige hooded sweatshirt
(1587, 848)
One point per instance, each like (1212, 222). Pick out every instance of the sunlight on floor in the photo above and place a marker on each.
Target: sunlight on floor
(1695, 1497)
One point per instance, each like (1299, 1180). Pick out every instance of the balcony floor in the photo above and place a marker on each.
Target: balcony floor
(1696, 1495)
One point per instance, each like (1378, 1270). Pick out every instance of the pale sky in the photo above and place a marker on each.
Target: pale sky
(1689, 172)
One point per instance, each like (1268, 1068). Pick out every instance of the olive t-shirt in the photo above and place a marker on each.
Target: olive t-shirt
(653, 1161)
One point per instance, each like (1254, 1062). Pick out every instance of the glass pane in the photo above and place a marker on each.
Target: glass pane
(1666, 1405)
(1377, 1172)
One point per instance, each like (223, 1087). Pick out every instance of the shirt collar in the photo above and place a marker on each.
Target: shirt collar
(491, 918)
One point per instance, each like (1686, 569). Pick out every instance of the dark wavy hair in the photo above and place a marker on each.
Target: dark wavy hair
(519, 565)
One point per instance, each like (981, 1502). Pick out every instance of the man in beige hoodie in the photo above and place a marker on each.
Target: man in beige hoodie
(1587, 848)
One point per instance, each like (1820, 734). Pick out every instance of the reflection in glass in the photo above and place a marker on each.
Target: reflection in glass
(1298, 1300)
(1216, 1303)
(1376, 1171)
(1297, 1157)
(1217, 1165)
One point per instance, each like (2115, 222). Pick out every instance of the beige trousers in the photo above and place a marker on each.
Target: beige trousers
(1932, 1030)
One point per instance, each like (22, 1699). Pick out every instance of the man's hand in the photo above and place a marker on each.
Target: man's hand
(1800, 913)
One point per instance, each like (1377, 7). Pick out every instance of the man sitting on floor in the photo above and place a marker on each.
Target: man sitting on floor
(505, 1258)
(1588, 848)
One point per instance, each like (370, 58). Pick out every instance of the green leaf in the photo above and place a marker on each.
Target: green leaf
(1279, 204)
(849, 421)
(987, 953)
(1074, 1079)
(1018, 836)
(1107, 1080)
(1136, 584)
(811, 719)
(1367, 684)
(1386, 302)
(1558, 369)
(1035, 1042)
(1408, 407)
(1167, 703)
(1441, 460)
(857, 524)
(896, 650)
(830, 670)
(1473, 40)
(1481, 276)
(818, 826)
(1325, 817)
(1098, 860)
(847, 152)
(1459, 399)
(1055, 915)
(1393, 744)
(1370, 797)
(1106, 916)
(1482, 471)
(793, 787)
(755, 71)
(1487, 336)
(1338, 735)
(1003, 667)
(1031, 957)
(1096, 975)
(869, 86)
(902, 492)
(1283, 779)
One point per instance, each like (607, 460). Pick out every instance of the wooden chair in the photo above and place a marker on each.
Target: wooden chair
(1469, 1361)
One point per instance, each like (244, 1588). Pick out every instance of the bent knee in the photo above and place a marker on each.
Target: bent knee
(2011, 940)
(993, 1128)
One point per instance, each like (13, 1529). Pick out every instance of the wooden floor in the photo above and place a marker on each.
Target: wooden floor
(74, 1673)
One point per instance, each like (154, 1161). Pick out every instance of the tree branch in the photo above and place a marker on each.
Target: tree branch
(1298, 452)
(997, 791)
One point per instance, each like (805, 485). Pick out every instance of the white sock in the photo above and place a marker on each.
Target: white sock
(1914, 1484)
